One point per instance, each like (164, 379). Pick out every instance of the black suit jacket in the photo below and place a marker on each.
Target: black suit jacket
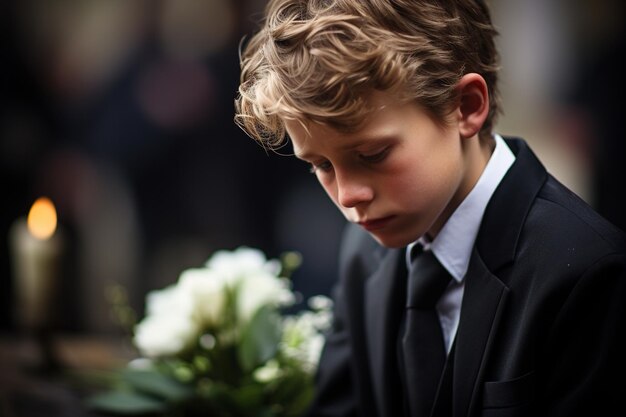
(542, 320)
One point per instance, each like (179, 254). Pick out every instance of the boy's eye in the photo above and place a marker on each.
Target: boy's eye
(375, 157)
(324, 167)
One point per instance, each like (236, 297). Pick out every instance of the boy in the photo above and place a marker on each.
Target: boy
(393, 103)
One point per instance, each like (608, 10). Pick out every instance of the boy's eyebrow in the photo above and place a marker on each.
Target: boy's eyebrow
(365, 139)
(303, 155)
(360, 141)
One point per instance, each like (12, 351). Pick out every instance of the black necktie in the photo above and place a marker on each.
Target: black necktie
(422, 349)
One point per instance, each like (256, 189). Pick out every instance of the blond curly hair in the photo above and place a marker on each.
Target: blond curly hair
(317, 60)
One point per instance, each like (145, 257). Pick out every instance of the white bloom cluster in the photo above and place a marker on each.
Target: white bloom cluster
(179, 315)
(303, 335)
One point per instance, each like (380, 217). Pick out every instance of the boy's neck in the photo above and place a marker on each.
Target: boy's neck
(478, 151)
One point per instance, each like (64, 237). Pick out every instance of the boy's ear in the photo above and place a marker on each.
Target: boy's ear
(473, 104)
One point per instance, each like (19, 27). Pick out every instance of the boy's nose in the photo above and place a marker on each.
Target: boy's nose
(351, 193)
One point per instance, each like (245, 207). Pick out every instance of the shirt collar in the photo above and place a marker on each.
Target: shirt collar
(453, 245)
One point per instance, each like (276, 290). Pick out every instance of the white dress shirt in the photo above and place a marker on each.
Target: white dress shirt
(453, 245)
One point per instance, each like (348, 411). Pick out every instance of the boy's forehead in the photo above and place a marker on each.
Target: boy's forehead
(380, 104)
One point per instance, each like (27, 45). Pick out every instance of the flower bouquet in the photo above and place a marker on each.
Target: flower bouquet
(216, 343)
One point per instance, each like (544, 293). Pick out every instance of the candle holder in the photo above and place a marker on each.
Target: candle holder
(39, 336)
(40, 356)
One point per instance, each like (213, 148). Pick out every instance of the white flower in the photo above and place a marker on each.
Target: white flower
(241, 262)
(207, 293)
(165, 335)
(193, 310)
(259, 289)
(169, 326)
(163, 301)
(253, 278)
(303, 340)
(320, 302)
(268, 372)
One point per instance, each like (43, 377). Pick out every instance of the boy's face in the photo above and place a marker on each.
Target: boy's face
(399, 177)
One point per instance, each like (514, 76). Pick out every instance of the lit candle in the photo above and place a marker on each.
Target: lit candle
(37, 247)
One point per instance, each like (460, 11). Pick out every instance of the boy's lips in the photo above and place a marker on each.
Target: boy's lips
(375, 224)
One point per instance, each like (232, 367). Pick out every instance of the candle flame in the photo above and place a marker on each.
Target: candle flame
(42, 218)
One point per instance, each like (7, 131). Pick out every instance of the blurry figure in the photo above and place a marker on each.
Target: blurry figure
(105, 232)
(592, 105)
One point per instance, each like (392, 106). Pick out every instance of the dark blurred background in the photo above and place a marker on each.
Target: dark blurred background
(122, 113)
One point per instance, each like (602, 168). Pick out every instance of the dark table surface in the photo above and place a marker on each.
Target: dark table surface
(30, 387)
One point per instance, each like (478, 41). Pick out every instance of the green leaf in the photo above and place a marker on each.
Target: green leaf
(224, 399)
(157, 384)
(93, 378)
(121, 402)
(249, 398)
(294, 391)
(259, 340)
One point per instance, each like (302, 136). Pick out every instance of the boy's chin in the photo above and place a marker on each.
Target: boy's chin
(391, 242)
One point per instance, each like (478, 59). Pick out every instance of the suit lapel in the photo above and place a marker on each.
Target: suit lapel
(384, 301)
(485, 283)
(508, 207)
(483, 303)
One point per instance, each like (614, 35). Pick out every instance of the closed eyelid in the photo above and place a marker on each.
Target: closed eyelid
(375, 151)
(324, 167)
(375, 156)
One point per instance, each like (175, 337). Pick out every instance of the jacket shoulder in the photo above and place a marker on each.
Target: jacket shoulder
(570, 220)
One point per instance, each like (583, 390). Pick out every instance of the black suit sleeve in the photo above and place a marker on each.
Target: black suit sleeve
(584, 368)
